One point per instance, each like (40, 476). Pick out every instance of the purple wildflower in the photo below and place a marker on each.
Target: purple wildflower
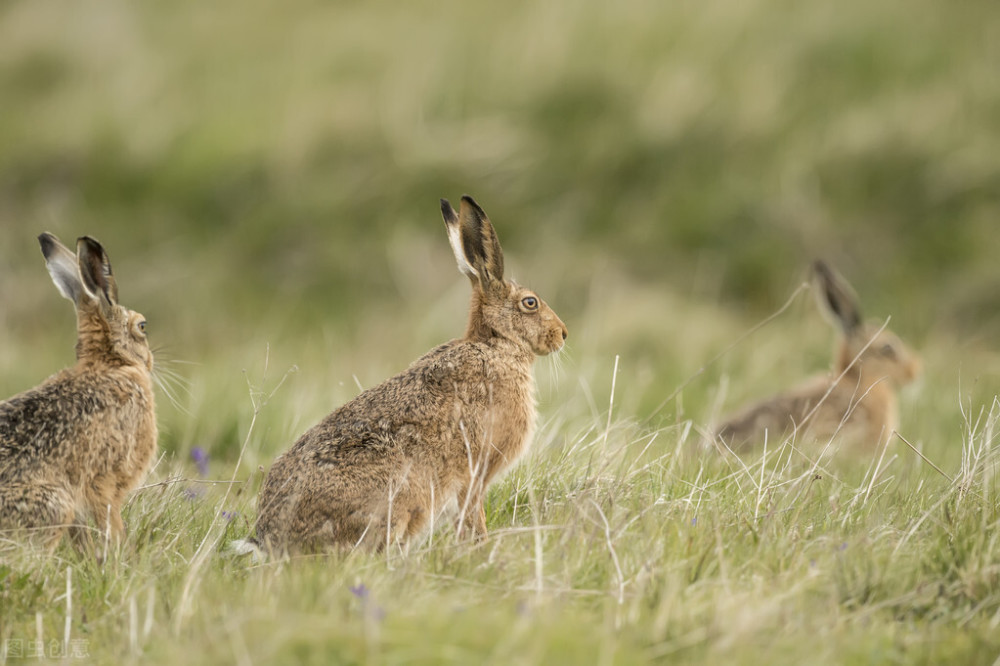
(229, 515)
(371, 610)
(200, 458)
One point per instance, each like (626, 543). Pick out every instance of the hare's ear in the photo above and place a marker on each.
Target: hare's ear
(454, 228)
(62, 266)
(480, 242)
(474, 241)
(95, 270)
(837, 298)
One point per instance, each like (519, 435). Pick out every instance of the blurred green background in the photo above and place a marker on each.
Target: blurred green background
(265, 177)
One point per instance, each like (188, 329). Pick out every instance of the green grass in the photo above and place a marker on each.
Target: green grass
(265, 178)
(615, 540)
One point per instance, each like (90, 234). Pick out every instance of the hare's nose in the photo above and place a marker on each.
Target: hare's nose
(565, 333)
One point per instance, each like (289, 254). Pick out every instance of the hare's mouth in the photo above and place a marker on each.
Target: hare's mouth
(553, 344)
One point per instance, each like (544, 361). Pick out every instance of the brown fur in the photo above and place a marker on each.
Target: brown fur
(870, 364)
(74, 446)
(382, 467)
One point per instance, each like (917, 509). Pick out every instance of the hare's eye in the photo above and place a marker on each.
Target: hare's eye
(888, 351)
(142, 326)
(529, 303)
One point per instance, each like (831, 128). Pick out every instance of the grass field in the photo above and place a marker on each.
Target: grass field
(265, 178)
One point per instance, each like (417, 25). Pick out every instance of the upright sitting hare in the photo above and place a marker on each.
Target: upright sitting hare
(871, 363)
(379, 469)
(74, 446)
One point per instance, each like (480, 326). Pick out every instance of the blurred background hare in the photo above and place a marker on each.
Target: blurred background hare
(856, 399)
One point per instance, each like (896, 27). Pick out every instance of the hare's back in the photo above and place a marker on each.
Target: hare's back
(419, 403)
(36, 421)
(69, 411)
(774, 416)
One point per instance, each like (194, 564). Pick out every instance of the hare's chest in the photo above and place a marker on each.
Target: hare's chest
(136, 430)
(513, 421)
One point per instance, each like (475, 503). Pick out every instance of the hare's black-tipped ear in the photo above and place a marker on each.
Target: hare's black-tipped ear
(95, 270)
(474, 241)
(62, 266)
(836, 297)
(454, 228)
(480, 245)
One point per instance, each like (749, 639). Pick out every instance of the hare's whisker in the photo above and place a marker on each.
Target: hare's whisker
(170, 393)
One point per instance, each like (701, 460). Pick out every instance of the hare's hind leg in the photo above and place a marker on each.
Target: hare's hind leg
(43, 511)
(394, 520)
(387, 526)
(412, 519)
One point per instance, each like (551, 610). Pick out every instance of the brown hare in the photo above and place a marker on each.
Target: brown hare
(382, 467)
(74, 446)
(857, 399)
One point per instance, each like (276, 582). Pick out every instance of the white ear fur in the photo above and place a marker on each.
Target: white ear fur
(455, 239)
(63, 268)
(65, 278)
(454, 227)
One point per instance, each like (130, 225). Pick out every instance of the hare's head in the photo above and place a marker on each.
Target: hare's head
(106, 331)
(872, 348)
(500, 308)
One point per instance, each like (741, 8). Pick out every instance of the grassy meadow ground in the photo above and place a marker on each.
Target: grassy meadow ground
(265, 177)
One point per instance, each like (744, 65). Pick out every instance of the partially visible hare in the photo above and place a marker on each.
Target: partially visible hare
(381, 468)
(74, 446)
(871, 363)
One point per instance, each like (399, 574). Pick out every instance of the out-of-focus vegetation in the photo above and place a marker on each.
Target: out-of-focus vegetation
(270, 172)
(265, 177)
(278, 149)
